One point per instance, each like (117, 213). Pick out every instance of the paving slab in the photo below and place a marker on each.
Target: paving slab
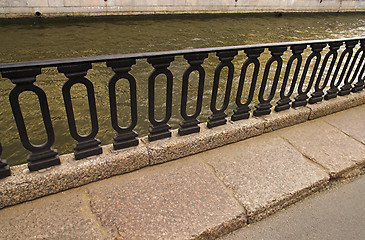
(337, 213)
(326, 145)
(177, 200)
(265, 173)
(65, 215)
(351, 122)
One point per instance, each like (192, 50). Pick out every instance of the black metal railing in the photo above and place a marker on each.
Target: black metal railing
(344, 74)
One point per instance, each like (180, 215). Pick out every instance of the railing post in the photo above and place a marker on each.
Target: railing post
(359, 85)
(218, 116)
(86, 145)
(125, 136)
(160, 128)
(243, 110)
(4, 167)
(301, 99)
(317, 96)
(263, 108)
(284, 102)
(346, 88)
(190, 123)
(42, 156)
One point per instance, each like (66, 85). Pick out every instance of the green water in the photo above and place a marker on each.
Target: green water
(40, 39)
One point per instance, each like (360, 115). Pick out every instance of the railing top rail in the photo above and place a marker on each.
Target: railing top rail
(95, 59)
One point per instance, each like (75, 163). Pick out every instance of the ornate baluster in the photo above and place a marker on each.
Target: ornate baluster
(318, 93)
(160, 128)
(360, 79)
(243, 110)
(263, 108)
(346, 88)
(86, 145)
(301, 99)
(125, 136)
(333, 91)
(190, 123)
(42, 156)
(219, 116)
(4, 167)
(284, 102)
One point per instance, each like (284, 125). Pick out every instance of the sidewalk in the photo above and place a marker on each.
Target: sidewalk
(334, 214)
(203, 196)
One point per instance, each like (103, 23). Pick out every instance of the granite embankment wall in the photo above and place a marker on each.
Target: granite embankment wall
(23, 8)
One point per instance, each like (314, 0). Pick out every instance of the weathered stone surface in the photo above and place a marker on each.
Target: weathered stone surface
(176, 200)
(181, 146)
(23, 185)
(65, 215)
(350, 122)
(337, 104)
(266, 173)
(290, 117)
(325, 145)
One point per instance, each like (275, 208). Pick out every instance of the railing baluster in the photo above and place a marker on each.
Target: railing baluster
(125, 136)
(284, 102)
(317, 96)
(301, 99)
(42, 156)
(190, 123)
(4, 167)
(346, 88)
(333, 91)
(263, 108)
(86, 145)
(359, 85)
(218, 116)
(243, 110)
(160, 128)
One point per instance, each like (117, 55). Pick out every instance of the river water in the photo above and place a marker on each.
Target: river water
(39, 39)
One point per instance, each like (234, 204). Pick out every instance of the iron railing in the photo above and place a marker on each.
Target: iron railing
(345, 74)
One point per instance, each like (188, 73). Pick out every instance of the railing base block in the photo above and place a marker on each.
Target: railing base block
(125, 140)
(158, 136)
(299, 103)
(188, 127)
(189, 130)
(217, 119)
(41, 160)
(240, 116)
(344, 92)
(314, 100)
(240, 113)
(216, 123)
(5, 172)
(87, 149)
(280, 108)
(159, 132)
(357, 89)
(262, 109)
(261, 112)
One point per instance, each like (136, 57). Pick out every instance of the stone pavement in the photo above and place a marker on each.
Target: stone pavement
(334, 214)
(203, 196)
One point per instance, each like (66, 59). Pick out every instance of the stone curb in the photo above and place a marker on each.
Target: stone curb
(24, 185)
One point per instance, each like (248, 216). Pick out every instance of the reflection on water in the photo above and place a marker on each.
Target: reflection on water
(49, 39)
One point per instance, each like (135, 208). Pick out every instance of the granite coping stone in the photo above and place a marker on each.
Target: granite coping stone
(338, 104)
